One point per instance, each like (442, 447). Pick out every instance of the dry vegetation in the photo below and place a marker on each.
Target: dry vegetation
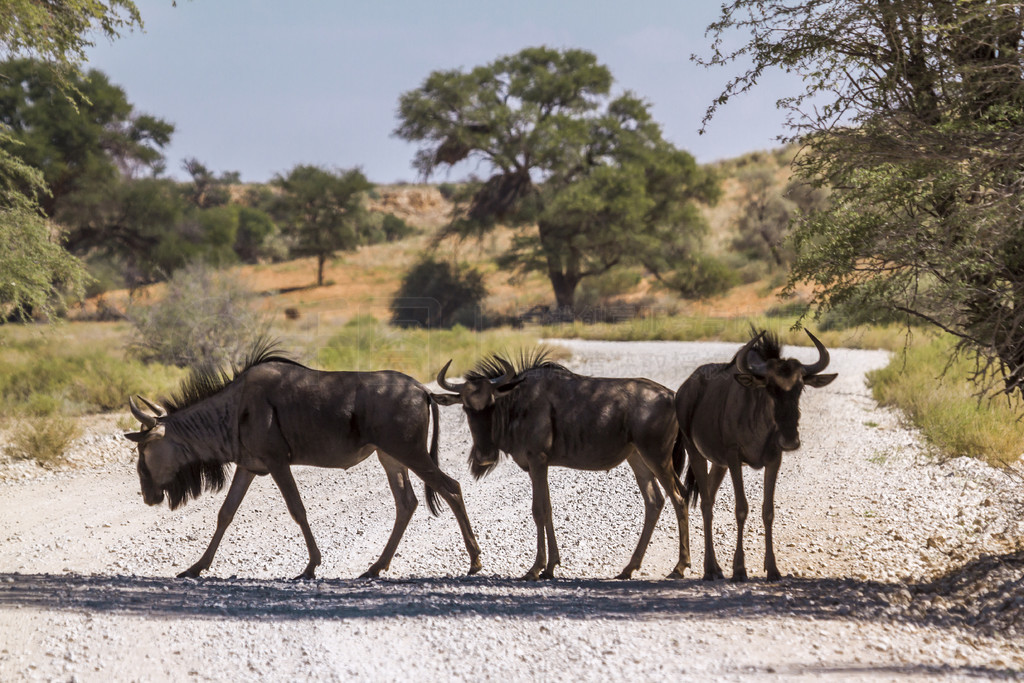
(341, 325)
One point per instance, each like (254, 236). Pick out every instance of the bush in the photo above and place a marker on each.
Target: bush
(205, 316)
(704, 276)
(436, 294)
(45, 440)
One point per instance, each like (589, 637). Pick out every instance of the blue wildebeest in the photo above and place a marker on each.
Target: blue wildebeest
(274, 413)
(544, 415)
(745, 411)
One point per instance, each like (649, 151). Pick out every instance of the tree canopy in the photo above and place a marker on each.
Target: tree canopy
(590, 171)
(321, 211)
(35, 269)
(913, 113)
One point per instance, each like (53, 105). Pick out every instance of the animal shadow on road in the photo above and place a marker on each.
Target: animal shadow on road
(383, 599)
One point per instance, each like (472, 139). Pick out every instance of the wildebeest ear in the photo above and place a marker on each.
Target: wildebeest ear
(508, 386)
(137, 437)
(750, 381)
(820, 380)
(447, 399)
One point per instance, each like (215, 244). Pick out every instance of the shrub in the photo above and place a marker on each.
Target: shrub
(205, 316)
(704, 276)
(45, 439)
(437, 294)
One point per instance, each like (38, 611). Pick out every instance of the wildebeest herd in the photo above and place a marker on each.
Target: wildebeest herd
(273, 413)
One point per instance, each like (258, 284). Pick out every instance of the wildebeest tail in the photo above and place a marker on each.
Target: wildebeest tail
(431, 494)
(690, 491)
(678, 454)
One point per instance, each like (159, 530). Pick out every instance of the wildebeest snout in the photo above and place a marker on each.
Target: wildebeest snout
(789, 443)
(484, 458)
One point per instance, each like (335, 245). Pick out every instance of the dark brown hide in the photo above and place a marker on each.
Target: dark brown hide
(745, 412)
(274, 413)
(543, 415)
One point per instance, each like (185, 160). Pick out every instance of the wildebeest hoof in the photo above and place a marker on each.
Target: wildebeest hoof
(774, 575)
(547, 574)
(676, 573)
(625, 574)
(190, 573)
(371, 573)
(532, 575)
(739, 575)
(474, 567)
(305, 576)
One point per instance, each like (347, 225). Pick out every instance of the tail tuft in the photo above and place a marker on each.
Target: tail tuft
(690, 491)
(431, 494)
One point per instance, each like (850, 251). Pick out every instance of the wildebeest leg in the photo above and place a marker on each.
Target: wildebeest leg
(653, 502)
(708, 484)
(282, 476)
(771, 473)
(450, 490)
(661, 465)
(405, 505)
(739, 569)
(239, 485)
(545, 525)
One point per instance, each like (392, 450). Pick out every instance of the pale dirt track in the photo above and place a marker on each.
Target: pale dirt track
(863, 518)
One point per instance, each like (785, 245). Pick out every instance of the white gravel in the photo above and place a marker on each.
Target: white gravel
(864, 521)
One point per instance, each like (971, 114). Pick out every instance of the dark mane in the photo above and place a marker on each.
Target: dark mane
(206, 379)
(192, 479)
(768, 347)
(505, 407)
(528, 359)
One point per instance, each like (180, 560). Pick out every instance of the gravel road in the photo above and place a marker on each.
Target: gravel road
(898, 566)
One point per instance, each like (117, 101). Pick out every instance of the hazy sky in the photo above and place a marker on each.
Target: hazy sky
(258, 86)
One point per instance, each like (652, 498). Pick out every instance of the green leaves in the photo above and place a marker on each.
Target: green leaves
(916, 127)
(593, 172)
(321, 210)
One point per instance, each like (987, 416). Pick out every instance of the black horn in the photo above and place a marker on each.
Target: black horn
(822, 357)
(148, 421)
(157, 410)
(758, 368)
(510, 372)
(445, 384)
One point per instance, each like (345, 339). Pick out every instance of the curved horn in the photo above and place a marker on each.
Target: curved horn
(147, 420)
(157, 410)
(822, 357)
(510, 372)
(445, 384)
(758, 369)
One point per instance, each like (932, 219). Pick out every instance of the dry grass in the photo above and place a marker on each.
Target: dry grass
(936, 396)
(43, 439)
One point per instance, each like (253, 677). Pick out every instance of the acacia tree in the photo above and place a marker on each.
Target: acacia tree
(321, 211)
(592, 173)
(34, 267)
(916, 125)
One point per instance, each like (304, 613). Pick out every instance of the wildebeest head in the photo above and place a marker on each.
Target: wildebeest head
(761, 366)
(164, 466)
(477, 394)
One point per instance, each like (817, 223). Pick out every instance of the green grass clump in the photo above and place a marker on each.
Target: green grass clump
(693, 328)
(73, 370)
(43, 439)
(367, 344)
(940, 401)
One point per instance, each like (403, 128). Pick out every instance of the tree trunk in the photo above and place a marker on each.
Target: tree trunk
(320, 260)
(565, 290)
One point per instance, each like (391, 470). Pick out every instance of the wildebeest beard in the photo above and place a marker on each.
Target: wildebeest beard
(192, 478)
